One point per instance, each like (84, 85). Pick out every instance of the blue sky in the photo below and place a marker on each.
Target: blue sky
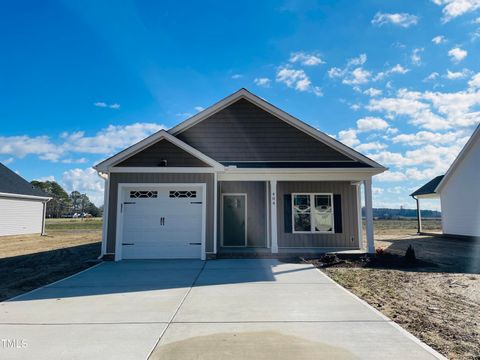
(397, 80)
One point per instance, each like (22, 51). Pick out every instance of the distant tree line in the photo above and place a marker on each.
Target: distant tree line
(384, 213)
(63, 204)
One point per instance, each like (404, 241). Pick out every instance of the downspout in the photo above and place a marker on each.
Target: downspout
(419, 219)
(104, 176)
(44, 233)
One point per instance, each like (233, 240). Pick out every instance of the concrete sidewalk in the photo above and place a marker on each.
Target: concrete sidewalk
(180, 309)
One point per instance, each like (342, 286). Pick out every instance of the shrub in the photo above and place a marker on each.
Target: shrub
(379, 251)
(410, 257)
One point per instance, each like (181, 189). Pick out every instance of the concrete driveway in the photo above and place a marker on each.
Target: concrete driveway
(236, 309)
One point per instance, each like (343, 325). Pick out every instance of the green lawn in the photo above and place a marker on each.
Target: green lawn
(74, 224)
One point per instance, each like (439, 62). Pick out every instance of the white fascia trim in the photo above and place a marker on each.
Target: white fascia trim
(162, 134)
(475, 137)
(21, 196)
(302, 171)
(295, 176)
(245, 94)
(428, 196)
(171, 170)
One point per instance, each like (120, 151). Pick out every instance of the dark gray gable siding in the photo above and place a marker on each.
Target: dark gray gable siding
(245, 132)
(153, 155)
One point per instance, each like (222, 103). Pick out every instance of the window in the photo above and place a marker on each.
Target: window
(140, 194)
(312, 213)
(182, 194)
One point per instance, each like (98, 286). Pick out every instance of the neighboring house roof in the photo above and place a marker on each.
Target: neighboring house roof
(473, 139)
(219, 164)
(13, 184)
(428, 188)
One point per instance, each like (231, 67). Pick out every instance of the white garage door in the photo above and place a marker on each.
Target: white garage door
(162, 222)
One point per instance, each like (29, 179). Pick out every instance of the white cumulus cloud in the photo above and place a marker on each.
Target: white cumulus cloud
(438, 39)
(457, 54)
(306, 59)
(415, 57)
(454, 8)
(84, 181)
(263, 82)
(371, 123)
(400, 19)
(455, 75)
(298, 80)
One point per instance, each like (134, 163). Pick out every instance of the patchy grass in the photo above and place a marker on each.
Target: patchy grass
(437, 299)
(30, 261)
(405, 226)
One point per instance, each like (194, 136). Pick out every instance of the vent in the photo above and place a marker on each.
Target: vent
(143, 194)
(183, 194)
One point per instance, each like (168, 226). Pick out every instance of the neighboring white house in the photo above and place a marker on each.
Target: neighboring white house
(22, 206)
(459, 191)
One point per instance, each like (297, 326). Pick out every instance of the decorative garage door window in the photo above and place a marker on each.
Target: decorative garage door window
(183, 194)
(143, 194)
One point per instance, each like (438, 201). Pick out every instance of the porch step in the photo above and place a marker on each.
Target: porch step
(248, 255)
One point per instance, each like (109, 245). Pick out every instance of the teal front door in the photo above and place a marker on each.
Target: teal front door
(234, 220)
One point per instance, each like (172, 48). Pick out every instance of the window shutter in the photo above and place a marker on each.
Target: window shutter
(287, 212)
(337, 213)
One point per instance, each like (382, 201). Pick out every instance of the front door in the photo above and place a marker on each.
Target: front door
(234, 220)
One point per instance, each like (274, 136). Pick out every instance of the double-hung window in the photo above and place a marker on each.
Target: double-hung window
(312, 213)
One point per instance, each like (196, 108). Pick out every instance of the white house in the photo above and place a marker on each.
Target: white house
(458, 191)
(22, 206)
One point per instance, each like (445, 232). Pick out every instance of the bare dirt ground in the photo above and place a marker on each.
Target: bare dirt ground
(30, 261)
(437, 299)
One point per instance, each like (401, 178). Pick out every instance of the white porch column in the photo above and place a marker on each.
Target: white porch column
(273, 215)
(359, 216)
(369, 216)
(215, 211)
(106, 192)
(419, 215)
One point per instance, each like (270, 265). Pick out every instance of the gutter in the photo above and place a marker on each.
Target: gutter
(21, 196)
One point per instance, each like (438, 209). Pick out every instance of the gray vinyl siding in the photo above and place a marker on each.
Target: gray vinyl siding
(256, 209)
(348, 238)
(245, 132)
(163, 150)
(116, 178)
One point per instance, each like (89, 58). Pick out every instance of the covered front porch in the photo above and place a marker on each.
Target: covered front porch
(270, 215)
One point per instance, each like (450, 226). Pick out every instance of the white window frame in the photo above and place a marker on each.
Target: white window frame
(312, 206)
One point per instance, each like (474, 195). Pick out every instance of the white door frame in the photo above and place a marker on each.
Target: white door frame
(221, 217)
(119, 224)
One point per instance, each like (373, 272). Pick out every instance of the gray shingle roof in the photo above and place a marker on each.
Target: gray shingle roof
(428, 188)
(12, 183)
